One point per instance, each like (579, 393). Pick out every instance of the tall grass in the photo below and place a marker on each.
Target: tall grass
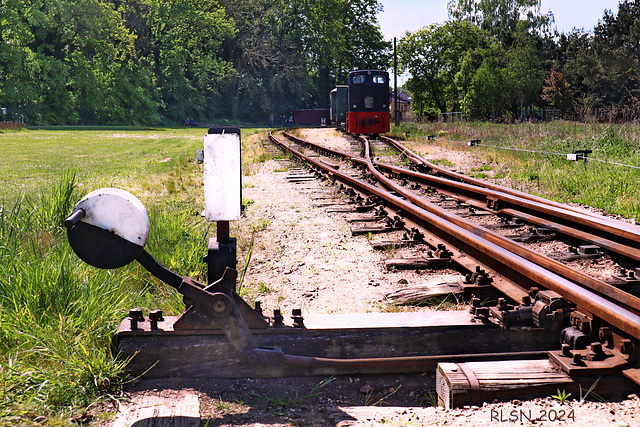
(57, 314)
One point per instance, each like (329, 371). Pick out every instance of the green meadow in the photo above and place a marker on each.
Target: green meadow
(57, 314)
(126, 157)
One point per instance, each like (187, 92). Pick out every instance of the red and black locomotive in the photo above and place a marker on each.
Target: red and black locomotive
(368, 107)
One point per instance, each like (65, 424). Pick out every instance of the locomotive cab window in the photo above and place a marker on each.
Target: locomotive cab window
(379, 79)
(358, 79)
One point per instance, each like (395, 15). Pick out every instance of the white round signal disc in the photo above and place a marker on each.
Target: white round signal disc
(118, 211)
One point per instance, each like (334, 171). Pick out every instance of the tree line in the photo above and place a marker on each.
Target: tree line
(501, 60)
(150, 62)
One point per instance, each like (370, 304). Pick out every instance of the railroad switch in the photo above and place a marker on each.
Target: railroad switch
(220, 336)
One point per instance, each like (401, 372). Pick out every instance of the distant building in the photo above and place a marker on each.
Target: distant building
(404, 105)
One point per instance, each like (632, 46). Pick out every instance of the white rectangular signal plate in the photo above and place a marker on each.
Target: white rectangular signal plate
(222, 176)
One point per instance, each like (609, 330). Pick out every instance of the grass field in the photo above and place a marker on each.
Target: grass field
(57, 314)
(123, 158)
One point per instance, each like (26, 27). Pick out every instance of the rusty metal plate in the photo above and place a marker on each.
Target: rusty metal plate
(612, 364)
(633, 374)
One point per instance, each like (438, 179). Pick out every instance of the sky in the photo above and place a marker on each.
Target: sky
(400, 16)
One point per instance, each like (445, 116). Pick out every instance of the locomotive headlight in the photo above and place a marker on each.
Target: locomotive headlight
(384, 105)
(355, 106)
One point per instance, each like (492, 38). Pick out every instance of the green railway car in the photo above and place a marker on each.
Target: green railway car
(339, 104)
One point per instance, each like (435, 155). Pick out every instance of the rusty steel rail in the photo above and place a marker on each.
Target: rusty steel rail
(610, 234)
(476, 245)
(615, 237)
(630, 301)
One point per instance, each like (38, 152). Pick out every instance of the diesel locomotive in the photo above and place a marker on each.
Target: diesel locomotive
(362, 105)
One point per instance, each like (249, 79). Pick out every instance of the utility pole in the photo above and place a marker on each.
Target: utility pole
(395, 83)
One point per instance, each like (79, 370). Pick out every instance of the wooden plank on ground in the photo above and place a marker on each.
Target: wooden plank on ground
(170, 408)
(419, 294)
(417, 263)
(476, 382)
(473, 383)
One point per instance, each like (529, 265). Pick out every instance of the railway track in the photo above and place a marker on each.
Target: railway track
(597, 322)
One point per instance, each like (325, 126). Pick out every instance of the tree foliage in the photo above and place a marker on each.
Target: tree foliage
(161, 61)
(616, 46)
(433, 57)
(500, 18)
(63, 62)
(497, 59)
(557, 91)
(130, 62)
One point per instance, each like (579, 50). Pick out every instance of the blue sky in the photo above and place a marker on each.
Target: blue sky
(400, 16)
